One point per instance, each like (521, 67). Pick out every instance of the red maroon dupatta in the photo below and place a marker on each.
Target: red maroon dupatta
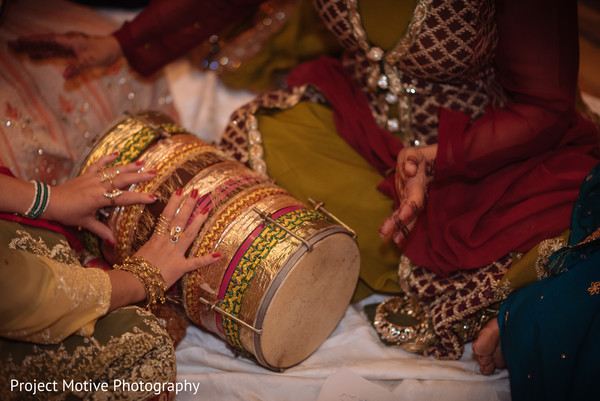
(507, 180)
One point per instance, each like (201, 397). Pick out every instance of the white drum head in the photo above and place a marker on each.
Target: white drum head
(307, 300)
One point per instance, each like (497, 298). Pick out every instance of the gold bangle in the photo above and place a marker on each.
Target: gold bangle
(149, 275)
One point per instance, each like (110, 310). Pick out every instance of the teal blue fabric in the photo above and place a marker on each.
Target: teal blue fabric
(550, 330)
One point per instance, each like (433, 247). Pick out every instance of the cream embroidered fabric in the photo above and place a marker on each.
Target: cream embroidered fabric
(45, 300)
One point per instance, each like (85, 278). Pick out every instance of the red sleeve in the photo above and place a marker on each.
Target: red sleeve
(537, 60)
(167, 29)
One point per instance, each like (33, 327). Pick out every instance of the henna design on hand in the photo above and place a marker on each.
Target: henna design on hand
(430, 168)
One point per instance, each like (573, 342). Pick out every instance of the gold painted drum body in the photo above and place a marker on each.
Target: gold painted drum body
(287, 273)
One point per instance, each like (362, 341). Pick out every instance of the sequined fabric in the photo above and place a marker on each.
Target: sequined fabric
(458, 306)
(131, 347)
(443, 60)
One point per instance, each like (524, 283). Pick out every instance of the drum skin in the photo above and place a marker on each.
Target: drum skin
(286, 274)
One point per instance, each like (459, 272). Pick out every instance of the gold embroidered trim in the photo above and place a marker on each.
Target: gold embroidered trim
(143, 354)
(545, 249)
(383, 76)
(60, 252)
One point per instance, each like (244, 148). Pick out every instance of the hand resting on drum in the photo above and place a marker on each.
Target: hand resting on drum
(158, 264)
(76, 202)
(177, 228)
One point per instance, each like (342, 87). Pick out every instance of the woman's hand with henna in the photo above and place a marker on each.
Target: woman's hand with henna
(81, 51)
(175, 231)
(414, 171)
(76, 202)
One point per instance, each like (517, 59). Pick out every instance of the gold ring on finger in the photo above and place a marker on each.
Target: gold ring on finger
(175, 234)
(109, 177)
(102, 171)
(112, 194)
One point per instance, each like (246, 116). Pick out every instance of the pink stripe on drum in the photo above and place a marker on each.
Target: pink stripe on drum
(285, 210)
(230, 185)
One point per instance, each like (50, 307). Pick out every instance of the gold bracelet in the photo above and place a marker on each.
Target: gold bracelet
(149, 275)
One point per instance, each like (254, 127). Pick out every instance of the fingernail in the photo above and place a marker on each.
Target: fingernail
(115, 154)
(153, 197)
(194, 193)
(140, 162)
(386, 227)
(152, 171)
(205, 210)
(110, 243)
(216, 255)
(179, 191)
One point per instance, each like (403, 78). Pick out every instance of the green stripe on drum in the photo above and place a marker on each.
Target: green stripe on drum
(141, 140)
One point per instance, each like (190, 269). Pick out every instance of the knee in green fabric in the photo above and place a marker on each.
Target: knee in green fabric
(129, 346)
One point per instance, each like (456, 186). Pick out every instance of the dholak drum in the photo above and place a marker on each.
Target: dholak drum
(287, 273)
